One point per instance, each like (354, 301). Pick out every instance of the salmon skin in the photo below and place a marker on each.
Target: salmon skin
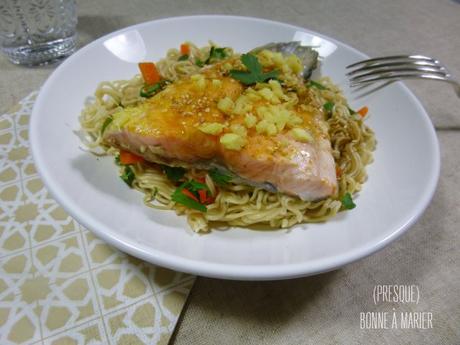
(265, 134)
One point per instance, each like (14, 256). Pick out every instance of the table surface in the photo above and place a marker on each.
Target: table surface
(325, 309)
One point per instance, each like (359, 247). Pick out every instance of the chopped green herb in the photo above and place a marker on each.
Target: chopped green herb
(199, 63)
(316, 85)
(106, 123)
(155, 192)
(219, 178)
(254, 73)
(179, 197)
(117, 160)
(216, 54)
(128, 176)
(347, 202)
(183, 57)
(174, 173)
(328, 106)
(195, 186)
(149, 91)
(351, 111)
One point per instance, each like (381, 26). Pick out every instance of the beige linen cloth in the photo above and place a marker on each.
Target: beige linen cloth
(59, 284)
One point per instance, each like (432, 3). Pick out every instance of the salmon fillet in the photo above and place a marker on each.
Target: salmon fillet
(168, 129)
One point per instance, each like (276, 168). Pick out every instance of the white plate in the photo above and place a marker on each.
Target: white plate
(401, 180)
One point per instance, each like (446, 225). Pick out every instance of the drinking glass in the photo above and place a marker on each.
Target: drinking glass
(34, 32)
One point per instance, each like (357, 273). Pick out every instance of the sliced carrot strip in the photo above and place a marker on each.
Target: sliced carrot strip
(210, 200)
(363, 111)
(129, 158)
(189, 194)
(338, 171)
(149, 73)
(202, 195)
(184, 49)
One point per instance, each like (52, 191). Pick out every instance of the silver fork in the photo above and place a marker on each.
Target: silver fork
(392, 68)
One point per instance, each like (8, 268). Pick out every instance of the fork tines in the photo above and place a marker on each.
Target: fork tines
(391, 68)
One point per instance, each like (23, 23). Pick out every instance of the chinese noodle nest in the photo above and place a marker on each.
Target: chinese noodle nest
(236, 204)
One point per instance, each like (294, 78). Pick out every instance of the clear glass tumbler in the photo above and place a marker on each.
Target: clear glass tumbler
(34, 32)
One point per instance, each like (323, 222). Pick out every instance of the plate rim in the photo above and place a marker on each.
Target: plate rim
(222, 270)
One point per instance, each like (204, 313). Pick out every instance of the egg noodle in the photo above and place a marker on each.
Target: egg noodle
(236, 204)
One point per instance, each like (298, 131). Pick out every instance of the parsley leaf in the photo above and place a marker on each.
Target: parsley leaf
(128, 176)
(199, 63)
(316, 85)
(219, 178)
(216, 54)
(195, 186)
(183, 199)
(254, 73)
(328, 106)
(106, 123)
(347, 202)
(174, 173)
(117, 159)
(183, 57)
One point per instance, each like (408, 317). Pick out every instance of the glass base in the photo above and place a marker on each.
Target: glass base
(44, 53)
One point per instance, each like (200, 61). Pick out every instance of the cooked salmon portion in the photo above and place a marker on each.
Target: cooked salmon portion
(264, 134)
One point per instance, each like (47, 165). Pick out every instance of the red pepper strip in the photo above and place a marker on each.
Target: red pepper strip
(338, 171)
(209, 200)
(129, 158)
(189, 194)
(202, 195)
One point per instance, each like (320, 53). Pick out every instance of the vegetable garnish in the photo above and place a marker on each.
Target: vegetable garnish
(185, 49)
(203, 197)
(199, 63)
(215, 54)
(328, 106)
(338, 172)
(127, 158)
(254, 73)
(128, 176)
(174, 173)
(351, 111)
(106, 123)
(347, 202)
(183, 58)
(317, 85)
(149, 91)
(190, 193)
(149, 72)
(363, 111)
(218, 177)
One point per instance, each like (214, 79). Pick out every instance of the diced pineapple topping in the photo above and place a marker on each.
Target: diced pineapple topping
(199, 81)
(242, 105)
(269, 95)
(226, 105)
(290, 64)
(266, 127)
(212, 128)
(302, 135)
(250, 120)
(216, 83)
(232, 141)
(239, 129)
